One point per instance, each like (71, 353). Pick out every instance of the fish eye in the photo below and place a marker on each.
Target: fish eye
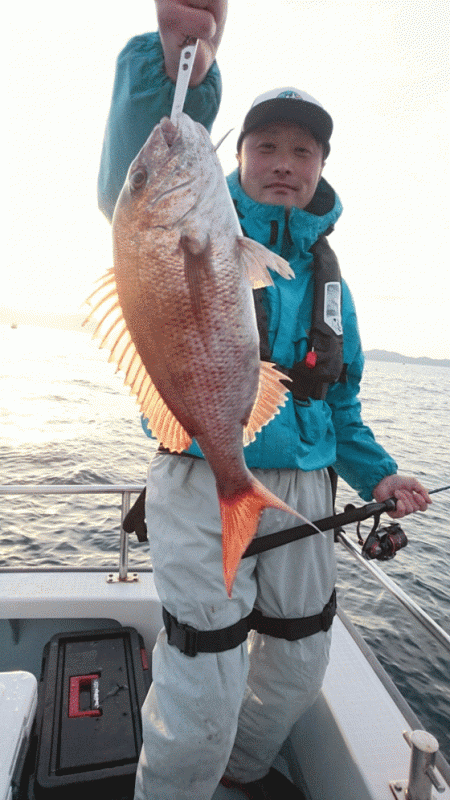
(138, 178)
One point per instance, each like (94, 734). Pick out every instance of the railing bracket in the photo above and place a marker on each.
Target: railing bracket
(398, 789)
(114, 577)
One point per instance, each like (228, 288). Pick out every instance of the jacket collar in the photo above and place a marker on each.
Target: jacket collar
(296, 231)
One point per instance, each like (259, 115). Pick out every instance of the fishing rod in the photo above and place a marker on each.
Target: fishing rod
(377, 546)
(134, 522)
(442, 489)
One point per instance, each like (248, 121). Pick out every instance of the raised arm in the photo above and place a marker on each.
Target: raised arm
(144, 86)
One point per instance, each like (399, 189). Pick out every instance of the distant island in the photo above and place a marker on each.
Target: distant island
(397, 358)
(73, 322)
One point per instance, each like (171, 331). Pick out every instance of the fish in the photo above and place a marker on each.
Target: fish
(176, 312)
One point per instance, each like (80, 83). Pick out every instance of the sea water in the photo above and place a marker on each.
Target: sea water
(67, 419)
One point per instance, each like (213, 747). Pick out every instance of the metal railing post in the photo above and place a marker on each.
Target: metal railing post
(123, 545)
(422, 775)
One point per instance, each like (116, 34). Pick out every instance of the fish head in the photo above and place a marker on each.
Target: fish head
(173, 172)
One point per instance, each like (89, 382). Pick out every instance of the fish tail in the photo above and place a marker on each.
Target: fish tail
(240, 518)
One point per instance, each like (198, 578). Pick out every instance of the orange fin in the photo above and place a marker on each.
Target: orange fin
(240, 518)
(271, 396)
(256, 258)
(114, 336)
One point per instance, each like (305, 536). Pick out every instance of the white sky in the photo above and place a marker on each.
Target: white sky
(379, 67)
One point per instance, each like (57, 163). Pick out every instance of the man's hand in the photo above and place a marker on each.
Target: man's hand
(409, 493)
(202, 19)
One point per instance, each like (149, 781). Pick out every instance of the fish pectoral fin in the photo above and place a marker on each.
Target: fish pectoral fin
(257, 259)
(114, 336)
(240, 518)
(195, 243)
(197, 271)
(271, 396)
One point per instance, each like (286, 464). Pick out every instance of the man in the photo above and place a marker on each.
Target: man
(227, 712)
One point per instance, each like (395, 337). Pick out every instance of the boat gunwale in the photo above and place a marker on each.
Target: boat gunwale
(396, 696)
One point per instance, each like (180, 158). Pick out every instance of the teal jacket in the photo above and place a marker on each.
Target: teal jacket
(306, 436)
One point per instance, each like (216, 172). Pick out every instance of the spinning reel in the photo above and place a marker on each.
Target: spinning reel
(382, 543)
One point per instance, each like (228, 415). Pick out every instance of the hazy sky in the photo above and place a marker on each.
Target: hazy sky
(380, 69)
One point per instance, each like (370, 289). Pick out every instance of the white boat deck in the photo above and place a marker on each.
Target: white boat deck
(345, 747)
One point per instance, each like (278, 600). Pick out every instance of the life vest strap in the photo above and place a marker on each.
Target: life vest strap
(323, 365)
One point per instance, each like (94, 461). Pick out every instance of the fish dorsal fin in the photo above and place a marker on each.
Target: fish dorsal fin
(114, 336)
(272, 394)
(256, 259)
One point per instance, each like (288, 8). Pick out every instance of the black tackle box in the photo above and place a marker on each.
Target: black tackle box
(88, 724)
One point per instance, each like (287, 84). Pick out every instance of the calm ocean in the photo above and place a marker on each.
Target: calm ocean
(66, 418)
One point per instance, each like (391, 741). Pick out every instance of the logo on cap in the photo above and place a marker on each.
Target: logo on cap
(290, 94)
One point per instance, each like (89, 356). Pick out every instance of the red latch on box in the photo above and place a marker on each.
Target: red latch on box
(81, 683)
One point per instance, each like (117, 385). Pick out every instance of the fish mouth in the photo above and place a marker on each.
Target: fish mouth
(168, 130)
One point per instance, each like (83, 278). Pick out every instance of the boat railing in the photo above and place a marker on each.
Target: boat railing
(126, 490)
(407, 602)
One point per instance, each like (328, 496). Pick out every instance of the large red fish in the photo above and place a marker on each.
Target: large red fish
(177, 314)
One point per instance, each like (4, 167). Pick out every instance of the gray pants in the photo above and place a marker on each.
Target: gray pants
(228, 712)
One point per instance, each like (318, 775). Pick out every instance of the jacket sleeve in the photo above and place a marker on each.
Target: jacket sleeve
(360, 460)
(142, 95)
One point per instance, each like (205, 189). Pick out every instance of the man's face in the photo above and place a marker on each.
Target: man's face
(280, 164)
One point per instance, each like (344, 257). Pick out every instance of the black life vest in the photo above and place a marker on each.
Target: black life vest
(323, 363)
